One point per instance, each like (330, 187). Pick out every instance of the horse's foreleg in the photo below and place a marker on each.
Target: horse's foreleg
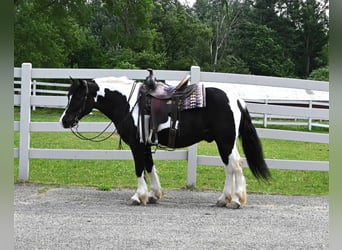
(141, 195)
(156, 192)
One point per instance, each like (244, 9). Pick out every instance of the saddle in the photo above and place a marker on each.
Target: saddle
(164, 91)
(159, 101)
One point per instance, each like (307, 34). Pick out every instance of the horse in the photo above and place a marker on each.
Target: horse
(224, 119)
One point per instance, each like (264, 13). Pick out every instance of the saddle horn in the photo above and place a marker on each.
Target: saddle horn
(150, 80)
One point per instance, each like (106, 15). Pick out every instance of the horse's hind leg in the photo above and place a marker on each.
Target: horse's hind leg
(234, 191)
(239, 190)
(226, 197)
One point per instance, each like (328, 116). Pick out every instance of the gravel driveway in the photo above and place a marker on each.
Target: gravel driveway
(85, 218)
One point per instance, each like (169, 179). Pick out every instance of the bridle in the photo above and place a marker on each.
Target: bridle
(83, 104)
(79, 135)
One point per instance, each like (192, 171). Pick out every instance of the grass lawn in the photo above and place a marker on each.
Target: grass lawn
(121, 174)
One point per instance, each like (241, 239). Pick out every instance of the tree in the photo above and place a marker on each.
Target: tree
(221, 16)
(36, 39)
(304, 31)
(258, 47)
(180, 36)
(320, 74)
(127, 23)
(49, 34)
(232, 64)
(269, 37)
(312, 27)
(123, 28)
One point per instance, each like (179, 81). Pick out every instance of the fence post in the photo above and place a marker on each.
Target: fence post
(195, 74)
(310, 119)
(25, 117)
(192, 150)
(34, 91)
(265, 115)
(192, 166)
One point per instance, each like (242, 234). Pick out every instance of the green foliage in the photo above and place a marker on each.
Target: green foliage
(179, 35)
(278, 37)
(321, 74)
(305, 33)
(261, 51)
(232, 64)
(37, 40)
(104, 187)
(126, 23)
(126, 58)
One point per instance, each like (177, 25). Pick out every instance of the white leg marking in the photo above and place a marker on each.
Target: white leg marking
(141, 195)
(60, 119)
(235, 185)
(244, 191)
(156, 191)
(240, 183)
(226, 195)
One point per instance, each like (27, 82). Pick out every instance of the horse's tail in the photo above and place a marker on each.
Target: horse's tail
(252, 146)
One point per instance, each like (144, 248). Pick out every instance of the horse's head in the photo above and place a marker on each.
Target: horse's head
(80, 102)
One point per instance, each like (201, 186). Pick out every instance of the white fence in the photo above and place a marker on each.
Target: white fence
(61, 89)
(26, 100)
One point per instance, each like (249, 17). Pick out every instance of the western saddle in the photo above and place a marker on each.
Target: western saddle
(159, 101)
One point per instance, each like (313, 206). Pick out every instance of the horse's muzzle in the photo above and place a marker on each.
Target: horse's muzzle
(68, 124)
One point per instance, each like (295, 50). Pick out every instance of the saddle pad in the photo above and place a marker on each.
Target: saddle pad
(196, 99)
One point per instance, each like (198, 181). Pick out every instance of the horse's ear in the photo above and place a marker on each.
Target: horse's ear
(93, 87)
(72, 79)
(82, 83)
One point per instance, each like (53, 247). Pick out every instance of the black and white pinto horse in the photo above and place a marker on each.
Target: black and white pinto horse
(224, 119)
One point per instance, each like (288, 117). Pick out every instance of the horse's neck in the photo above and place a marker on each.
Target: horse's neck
(117, 114)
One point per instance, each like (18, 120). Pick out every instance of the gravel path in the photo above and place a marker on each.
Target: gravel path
(85, 218)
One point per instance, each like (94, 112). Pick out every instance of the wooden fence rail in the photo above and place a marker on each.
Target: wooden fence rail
(26, 75)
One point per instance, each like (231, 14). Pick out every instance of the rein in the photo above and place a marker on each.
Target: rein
(79, 135)
(94, 138)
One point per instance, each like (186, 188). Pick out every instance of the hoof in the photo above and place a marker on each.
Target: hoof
(152, 200)
(220, 203)
(144, 199)
(133, 202)
(234, 205)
